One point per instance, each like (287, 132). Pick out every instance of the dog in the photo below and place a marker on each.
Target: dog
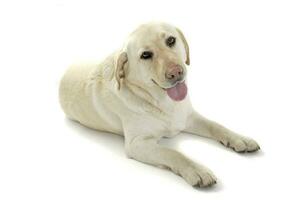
(140, 92)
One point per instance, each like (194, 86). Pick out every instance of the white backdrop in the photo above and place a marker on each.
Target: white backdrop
(245, 73)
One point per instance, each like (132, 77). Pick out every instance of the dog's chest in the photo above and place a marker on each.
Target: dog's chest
(175, 121)
(175, 125)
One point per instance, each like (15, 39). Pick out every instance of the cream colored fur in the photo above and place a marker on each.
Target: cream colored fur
(119, 96)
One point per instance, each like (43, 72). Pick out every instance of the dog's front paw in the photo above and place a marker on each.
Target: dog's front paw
(241, 144)
(196, 175)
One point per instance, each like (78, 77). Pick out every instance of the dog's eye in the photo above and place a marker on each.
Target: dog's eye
(146, 55)
(170, 41)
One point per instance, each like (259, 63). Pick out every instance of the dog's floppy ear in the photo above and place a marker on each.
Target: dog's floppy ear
(185, 45)
(120, 62)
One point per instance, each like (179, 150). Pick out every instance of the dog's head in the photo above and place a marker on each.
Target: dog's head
(155, 56)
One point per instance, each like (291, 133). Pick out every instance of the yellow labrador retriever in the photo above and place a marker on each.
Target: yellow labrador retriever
(140, 92)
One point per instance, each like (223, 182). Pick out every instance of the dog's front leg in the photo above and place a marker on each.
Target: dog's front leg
(201, 126)
(147, 150)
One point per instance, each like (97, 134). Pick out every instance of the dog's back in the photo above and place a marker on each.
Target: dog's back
(78, 90)
(73, 93)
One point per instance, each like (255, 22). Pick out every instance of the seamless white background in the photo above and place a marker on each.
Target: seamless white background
(245, 73)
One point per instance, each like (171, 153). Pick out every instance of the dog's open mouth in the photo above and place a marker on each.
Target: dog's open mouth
(177, 92)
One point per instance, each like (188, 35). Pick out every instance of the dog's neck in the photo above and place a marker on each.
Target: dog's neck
(146, 97)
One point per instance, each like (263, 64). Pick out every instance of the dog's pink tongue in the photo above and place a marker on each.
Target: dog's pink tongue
(178, 92)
